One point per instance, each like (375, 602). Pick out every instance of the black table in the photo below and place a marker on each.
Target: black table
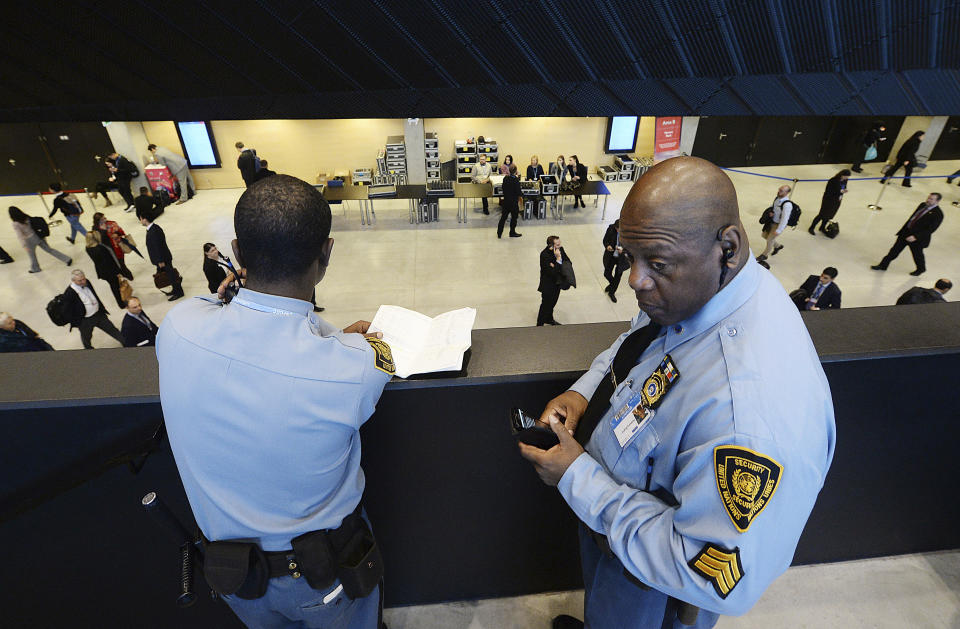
(589, 188)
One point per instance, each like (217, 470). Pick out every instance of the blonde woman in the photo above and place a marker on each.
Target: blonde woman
(534, 170)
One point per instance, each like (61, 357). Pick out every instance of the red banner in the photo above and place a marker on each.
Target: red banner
(666, 142)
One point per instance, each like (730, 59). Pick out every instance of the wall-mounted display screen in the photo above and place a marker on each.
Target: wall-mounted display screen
(621, 134)
(198, 144)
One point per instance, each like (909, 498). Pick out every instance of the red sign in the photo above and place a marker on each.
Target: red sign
(666, 142)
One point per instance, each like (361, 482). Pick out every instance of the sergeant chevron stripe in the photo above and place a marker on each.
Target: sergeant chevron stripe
(719, 566)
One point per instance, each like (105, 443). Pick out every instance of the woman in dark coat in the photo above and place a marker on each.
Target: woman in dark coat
(216, 266)
(105, 262)
(832, 196)
(906, 157)
(578, 174)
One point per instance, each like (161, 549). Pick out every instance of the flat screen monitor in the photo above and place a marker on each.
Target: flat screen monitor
(198, 144)
(621, 134)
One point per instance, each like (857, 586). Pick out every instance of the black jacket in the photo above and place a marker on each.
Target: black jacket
(22, 339)
(832, 196)
(148, 207)
(908, 152)
(511, 192)
(533, 173)
(77, 311)
(125, 169)
(873, 136)
(134, 333)
(68, 209)
(105, 262)
(215, 273)
(157, 246)
(550, 275)
(829, 299)
(579, 171)
(924, 227)
(917, 295)
(263, 173)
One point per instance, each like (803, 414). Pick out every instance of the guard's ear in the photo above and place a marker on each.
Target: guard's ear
(325, 252)
(731, 245)
(235, 245)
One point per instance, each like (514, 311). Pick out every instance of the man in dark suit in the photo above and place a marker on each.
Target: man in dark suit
(917, 295)
(915, 234)
(614, 259)
(122, 173)
(551, 259)
(86, 310)
(160, 254)
(264, 172)
(137, 329)
(147, 205)
(511, 203)
(821, 293)
(17, 336)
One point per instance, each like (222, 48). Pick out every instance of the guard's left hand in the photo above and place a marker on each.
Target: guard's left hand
(551, 464)
(361, 327)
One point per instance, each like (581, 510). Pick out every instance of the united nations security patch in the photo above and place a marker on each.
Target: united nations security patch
(746, 481)
(384, 357)
(659, 382)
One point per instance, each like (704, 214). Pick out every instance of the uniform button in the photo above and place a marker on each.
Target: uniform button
(678, 329)
(295, 575)
(732, 331)
(292, 566)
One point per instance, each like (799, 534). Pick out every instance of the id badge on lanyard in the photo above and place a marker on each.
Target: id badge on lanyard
(630, 419)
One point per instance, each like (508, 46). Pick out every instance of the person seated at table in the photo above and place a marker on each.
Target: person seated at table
(578, 175)
(558, 170)
(505, 170)
(534, 170)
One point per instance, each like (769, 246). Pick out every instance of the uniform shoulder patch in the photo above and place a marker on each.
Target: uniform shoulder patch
(719, 566)
(384, 357)
(746, 481)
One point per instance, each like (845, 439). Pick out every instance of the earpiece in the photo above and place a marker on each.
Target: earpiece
(727, 254)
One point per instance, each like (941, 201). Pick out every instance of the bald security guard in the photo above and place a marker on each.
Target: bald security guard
(263, 402)
(702, 460)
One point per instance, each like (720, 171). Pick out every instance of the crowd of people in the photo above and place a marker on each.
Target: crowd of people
(107, 244)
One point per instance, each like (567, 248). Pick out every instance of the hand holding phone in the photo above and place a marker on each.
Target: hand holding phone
(527, 429)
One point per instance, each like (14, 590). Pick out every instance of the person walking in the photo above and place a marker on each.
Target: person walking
(919, 295)
(505, 170)
(615, 261)
(86, 310)
(160, 255)
(248, 163)
(832, 196)
(906, 157)
(216, 266)
(915, 234)
(113, 236)
(551, 262)
(70, 207)
(30, 239)
(872, 138)
(178, 167)
(106, 265)
(17, 336)
(779, 214)
(137, 329)
(511, 201)
(5, 258)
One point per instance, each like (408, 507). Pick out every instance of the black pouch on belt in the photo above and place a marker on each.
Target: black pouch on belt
(316, 558)
(238, 568)
(361, 566)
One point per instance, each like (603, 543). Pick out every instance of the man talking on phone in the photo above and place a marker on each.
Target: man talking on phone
(691, 461)
(263, 403)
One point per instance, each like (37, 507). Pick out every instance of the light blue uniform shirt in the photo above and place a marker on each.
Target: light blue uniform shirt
(263, 402)
(749, 378)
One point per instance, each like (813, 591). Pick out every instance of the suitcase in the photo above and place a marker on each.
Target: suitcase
(528, 209)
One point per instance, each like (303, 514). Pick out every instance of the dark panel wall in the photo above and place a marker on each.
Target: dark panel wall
(51, 151)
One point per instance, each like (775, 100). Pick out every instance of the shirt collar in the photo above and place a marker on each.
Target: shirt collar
(720, 306)
(273, 303)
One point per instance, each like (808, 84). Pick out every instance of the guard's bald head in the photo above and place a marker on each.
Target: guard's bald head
(686, 195)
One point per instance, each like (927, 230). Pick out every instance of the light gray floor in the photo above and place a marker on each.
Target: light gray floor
(905, 592)
(441, 266)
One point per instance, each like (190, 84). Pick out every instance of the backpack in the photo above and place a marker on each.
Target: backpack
(832, 229)
(58, 309)
(794, 214)
(39, 226)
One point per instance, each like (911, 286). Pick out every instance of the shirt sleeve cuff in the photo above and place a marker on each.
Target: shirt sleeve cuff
(583, 486)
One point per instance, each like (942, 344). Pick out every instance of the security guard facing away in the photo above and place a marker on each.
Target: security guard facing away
(263, 401)
(708, 426)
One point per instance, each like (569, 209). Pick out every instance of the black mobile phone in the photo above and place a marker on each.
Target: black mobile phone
(527, 429)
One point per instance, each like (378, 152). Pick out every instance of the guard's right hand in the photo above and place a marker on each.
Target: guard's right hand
(568, 407)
